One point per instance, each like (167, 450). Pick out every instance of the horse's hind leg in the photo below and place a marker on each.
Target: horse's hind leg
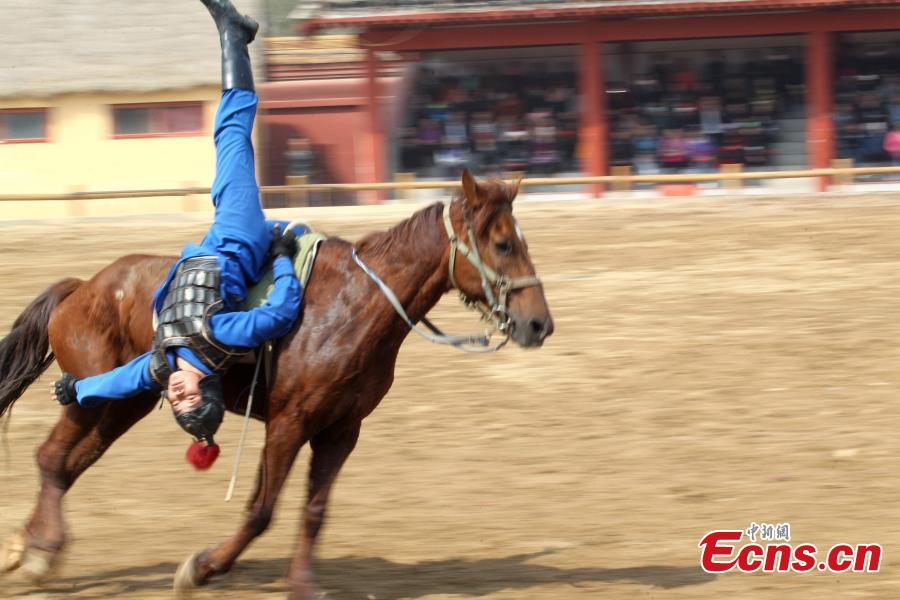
(80, 438)
(330, 449)
(44, 535)
(285, 435)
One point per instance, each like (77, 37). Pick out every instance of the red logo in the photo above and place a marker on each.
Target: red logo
(721, 551)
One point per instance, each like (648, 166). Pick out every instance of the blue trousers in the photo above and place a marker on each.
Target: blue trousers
(239, 236)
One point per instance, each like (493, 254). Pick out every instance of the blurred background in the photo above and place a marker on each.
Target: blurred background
(725, 351)
(107, 96)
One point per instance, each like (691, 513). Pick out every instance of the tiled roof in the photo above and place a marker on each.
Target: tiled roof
(352, 12)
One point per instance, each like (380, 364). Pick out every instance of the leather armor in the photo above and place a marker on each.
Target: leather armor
(192, 298)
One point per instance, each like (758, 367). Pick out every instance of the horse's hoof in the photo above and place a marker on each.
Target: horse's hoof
(37, 564)
(304, 588)
(11, 553)
(187, 577)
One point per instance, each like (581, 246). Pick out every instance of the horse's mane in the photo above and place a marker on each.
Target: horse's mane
(412, 229)
(494, 192)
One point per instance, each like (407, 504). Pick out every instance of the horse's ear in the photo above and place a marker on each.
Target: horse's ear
(470, 189)
(514, 187)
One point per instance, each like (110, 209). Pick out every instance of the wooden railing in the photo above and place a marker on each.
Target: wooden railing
(839, 175)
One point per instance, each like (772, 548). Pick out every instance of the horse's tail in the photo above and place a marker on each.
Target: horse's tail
(25, 352)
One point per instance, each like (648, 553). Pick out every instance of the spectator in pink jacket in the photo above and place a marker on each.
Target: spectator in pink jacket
(892, 143)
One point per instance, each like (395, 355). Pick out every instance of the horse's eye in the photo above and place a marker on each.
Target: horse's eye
(503, 247)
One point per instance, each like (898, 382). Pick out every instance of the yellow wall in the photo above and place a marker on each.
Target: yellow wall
(82, 155)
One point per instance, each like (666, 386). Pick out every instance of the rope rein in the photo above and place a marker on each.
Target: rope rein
(466, 343)
(496, 313)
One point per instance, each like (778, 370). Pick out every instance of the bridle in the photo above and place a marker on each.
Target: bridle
(495, 311)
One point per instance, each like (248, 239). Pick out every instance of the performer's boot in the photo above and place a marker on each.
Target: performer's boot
(236, 31)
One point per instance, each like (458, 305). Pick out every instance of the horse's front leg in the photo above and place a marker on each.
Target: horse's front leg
(285, 435)
(80, 438)
(330, 449)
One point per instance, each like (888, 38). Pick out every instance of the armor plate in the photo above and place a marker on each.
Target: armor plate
(192, 298)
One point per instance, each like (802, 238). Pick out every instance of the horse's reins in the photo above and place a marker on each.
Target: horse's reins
(495, 311)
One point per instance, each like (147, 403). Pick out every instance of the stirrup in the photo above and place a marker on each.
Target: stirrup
(65, 389)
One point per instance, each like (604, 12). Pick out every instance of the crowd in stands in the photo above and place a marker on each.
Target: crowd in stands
(692, 113)
(515, 117)
(689, 115)
(867, 104)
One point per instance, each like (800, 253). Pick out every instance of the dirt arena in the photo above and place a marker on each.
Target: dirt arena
(715, 362)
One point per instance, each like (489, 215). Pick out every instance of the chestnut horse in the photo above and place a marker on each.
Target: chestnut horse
(328, 374)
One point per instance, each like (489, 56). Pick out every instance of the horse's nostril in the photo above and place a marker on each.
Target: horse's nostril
(537, 326)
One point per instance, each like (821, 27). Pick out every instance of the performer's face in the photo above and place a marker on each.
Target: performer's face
(184, 391)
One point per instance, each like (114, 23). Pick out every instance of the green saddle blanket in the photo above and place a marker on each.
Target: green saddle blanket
(307, 248)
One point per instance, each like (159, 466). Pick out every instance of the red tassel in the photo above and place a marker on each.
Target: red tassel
(202, 456)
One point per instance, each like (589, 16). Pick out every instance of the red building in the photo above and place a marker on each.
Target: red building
(355, 114)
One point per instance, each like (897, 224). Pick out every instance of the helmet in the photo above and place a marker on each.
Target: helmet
(203, 422)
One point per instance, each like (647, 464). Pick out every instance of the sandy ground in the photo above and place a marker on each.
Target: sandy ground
(715, 362)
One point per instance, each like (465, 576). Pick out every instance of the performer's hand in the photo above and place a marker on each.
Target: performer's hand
(283, 245)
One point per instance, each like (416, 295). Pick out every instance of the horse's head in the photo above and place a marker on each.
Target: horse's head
(508, 282)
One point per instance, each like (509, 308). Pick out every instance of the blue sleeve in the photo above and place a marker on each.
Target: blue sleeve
(269, 321)
(122, 382)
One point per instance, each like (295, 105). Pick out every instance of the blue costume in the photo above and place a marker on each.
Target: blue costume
(239, 239)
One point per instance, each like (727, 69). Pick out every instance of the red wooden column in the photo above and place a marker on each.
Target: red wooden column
(820, 90)
(378, 170)
(592, 143)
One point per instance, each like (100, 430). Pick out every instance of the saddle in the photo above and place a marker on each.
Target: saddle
(307, 248)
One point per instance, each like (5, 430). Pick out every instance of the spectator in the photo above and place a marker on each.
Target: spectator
(711, 118)
(755, 149)
(700, 151)
(544, 154)
(622, 148)
(684, 78)
(892, 144)
(430, 135)
(484, 139)
(894, 107)
(411, 149)
(644, 146)
(732, 149)
(300, 158)
(673, 150)
(514, 144)
(453, 154)
(874, 121)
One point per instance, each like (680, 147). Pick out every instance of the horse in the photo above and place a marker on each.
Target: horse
(328, 374)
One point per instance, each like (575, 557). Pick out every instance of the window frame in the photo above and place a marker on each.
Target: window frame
(200, 104)
(45, 114)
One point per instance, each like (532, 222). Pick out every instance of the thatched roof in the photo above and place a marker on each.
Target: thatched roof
(53, 47)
